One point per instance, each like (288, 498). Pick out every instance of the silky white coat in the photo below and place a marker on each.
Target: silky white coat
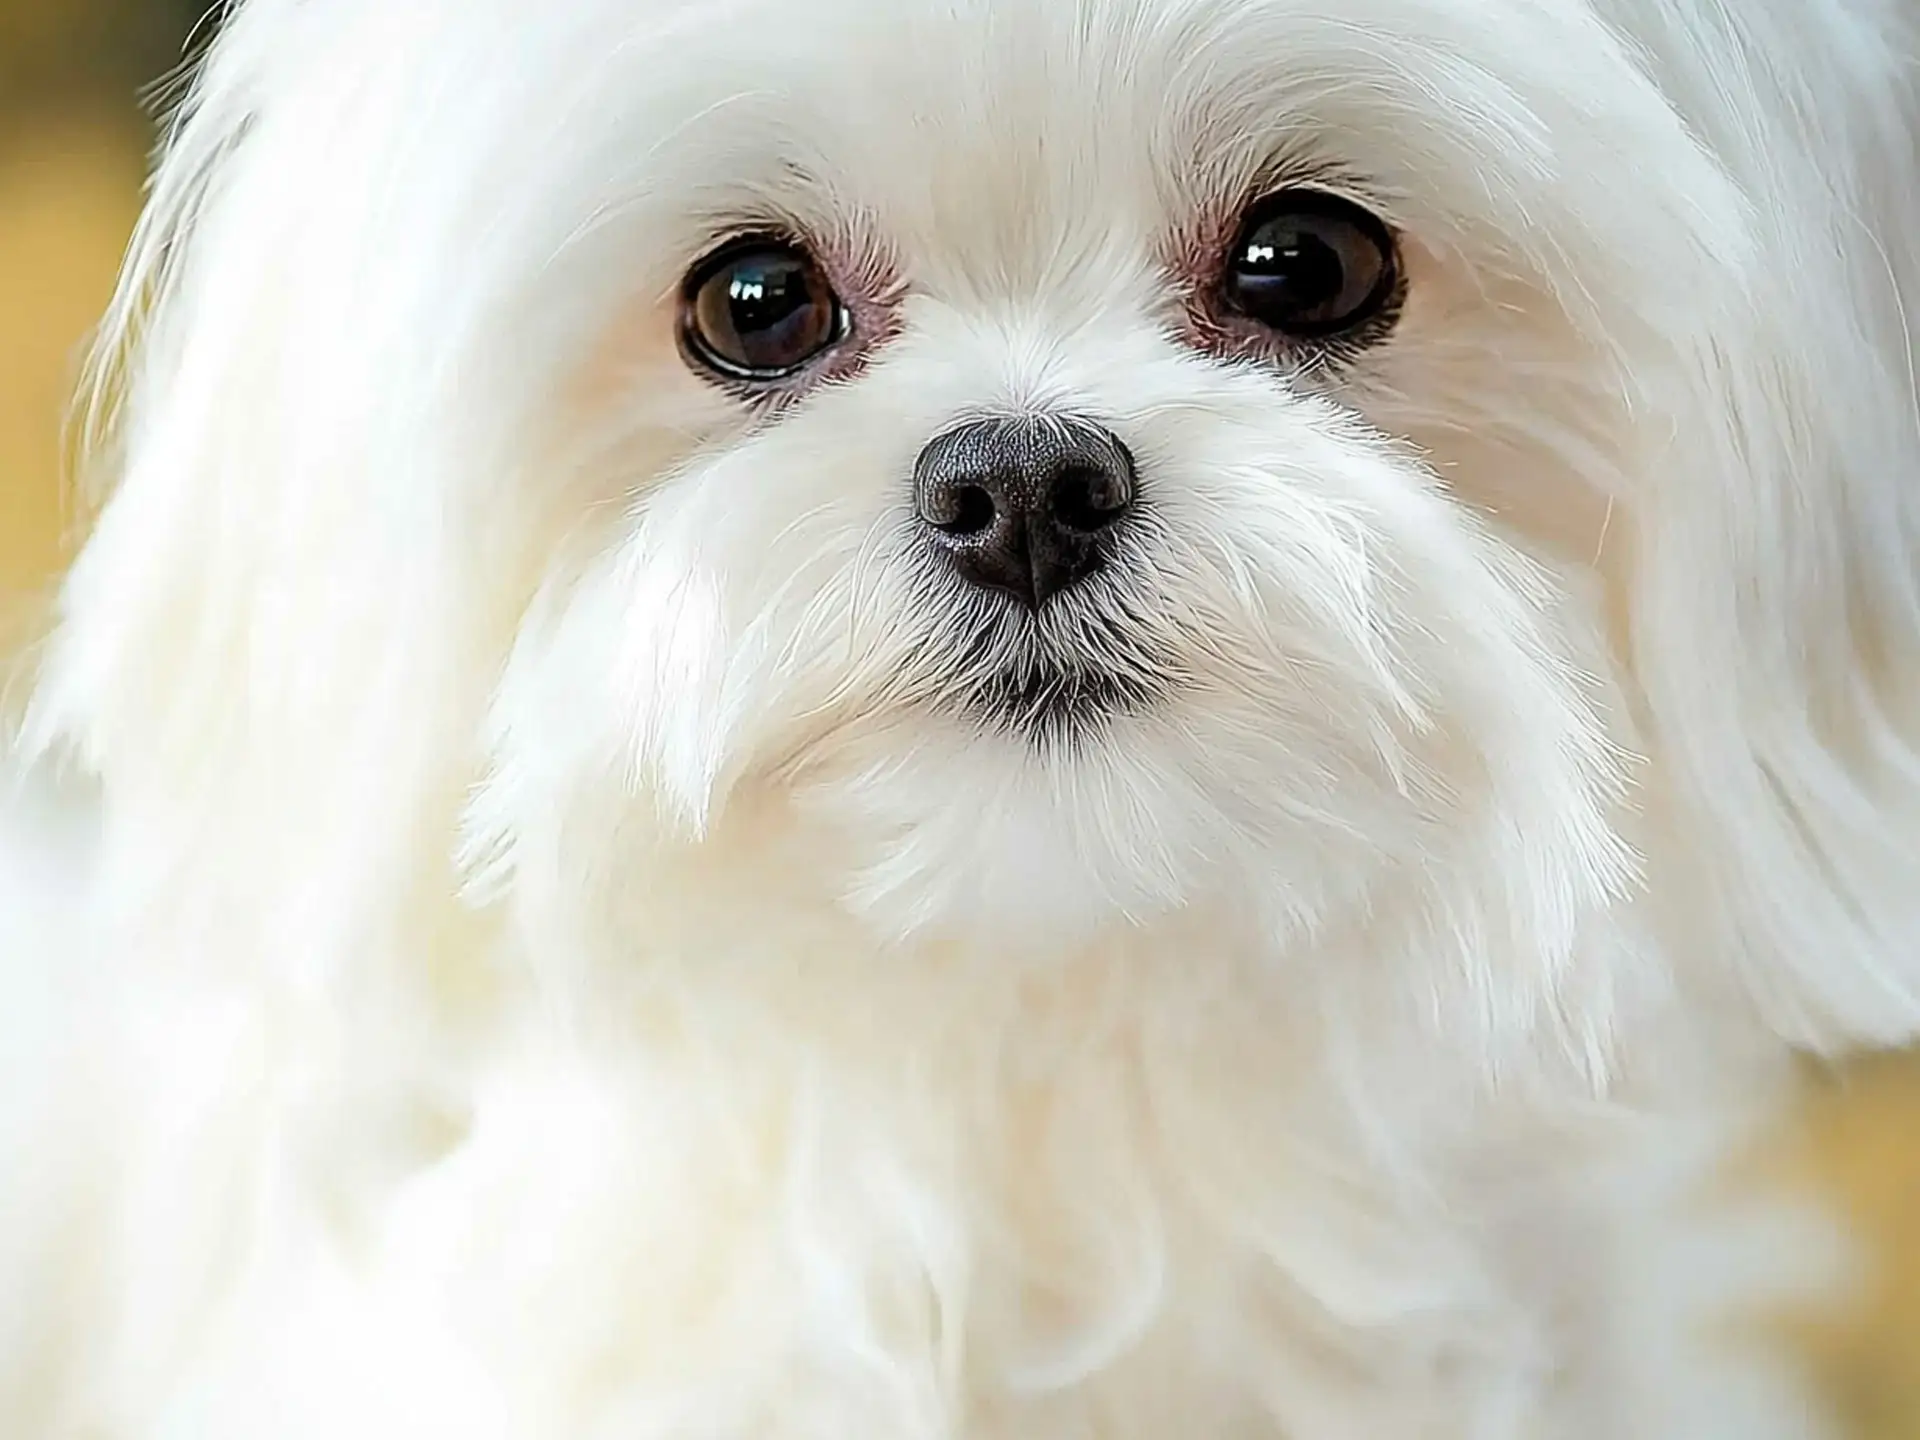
(510, 934)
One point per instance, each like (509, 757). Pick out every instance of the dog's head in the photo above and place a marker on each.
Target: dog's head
(1057, 465)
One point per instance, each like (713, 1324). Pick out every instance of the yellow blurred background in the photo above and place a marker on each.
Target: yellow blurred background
(72, 151)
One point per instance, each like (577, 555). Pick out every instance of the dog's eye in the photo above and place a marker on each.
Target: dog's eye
(759, 310)
(1309, 264)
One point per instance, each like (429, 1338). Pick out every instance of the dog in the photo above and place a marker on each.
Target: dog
(970, 719)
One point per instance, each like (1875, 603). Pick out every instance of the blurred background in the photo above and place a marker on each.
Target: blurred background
(74, 138)
(73, 144)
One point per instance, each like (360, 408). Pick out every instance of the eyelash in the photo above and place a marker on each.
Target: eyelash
(864, 278)
(1196, 266)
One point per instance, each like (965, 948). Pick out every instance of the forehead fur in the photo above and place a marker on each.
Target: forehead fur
(992, 135)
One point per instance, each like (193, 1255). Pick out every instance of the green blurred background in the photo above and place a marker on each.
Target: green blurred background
(73, 145)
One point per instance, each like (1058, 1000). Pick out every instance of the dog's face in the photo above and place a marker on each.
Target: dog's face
(1058, 464)
(1056, 447)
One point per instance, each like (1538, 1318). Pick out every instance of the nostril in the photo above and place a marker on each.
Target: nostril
(1089, 497)
(1024, 505)
(968, 510)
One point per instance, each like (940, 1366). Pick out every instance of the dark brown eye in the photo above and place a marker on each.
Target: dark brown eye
(1309, 264)
(759, 310)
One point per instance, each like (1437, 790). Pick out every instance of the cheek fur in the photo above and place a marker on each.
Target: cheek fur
(1364, 684)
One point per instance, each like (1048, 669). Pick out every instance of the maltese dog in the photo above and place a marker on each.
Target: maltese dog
(971, 720)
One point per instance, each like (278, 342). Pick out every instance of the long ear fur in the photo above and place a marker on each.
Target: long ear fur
(316, 540)
(1774, 599)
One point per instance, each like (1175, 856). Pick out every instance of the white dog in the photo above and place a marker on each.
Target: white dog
(971, 720)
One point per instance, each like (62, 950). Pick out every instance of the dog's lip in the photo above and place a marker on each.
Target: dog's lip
(1045, 701)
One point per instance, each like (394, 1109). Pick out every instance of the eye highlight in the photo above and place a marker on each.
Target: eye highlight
(759, 310)
(1309, 265)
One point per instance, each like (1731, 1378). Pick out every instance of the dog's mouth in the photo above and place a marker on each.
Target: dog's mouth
(1049, 705)
(1054, 678)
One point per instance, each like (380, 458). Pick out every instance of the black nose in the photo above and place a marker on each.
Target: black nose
(1026, 506)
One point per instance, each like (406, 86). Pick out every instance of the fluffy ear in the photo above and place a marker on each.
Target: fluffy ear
(254, 641)
(319, 530)
(1774, 599)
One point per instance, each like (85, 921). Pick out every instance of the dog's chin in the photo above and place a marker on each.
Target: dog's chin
(1043, 812)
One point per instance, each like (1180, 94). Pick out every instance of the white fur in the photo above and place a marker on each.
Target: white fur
(556, 961)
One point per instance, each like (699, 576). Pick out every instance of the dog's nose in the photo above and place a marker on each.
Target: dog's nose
(1027, 506)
